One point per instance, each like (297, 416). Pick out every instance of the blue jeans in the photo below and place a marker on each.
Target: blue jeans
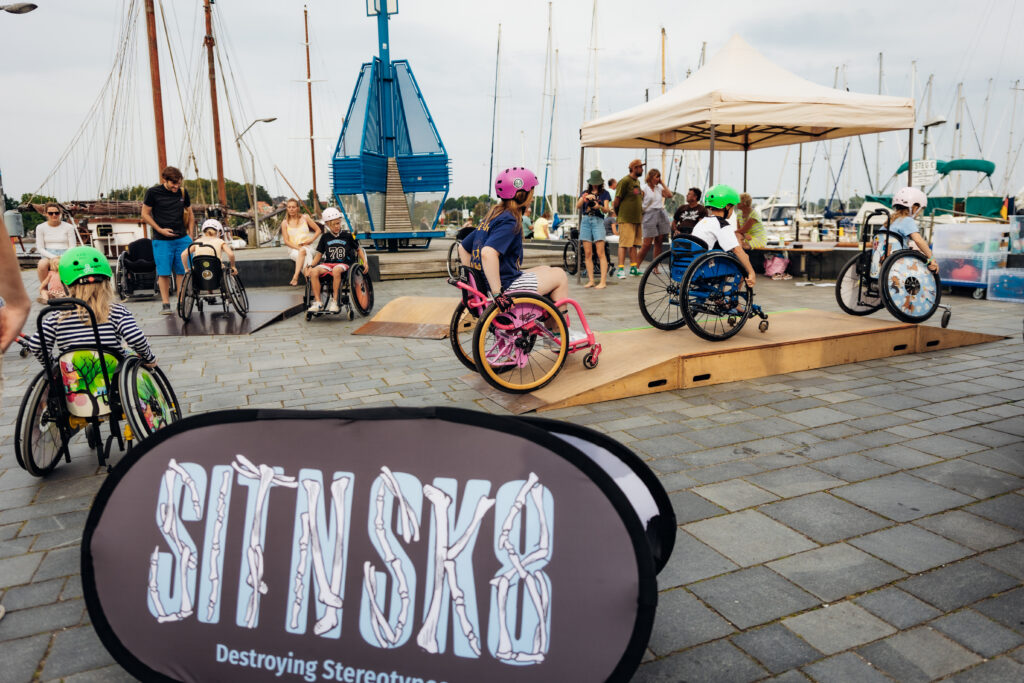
(167, 255)
(592, 229)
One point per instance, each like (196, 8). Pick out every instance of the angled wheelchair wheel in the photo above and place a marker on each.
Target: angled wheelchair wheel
(147, 398)
(853, 293)
(307, 298)
(659, 295)
(460, 334)
(453, 262)
(121, 279)
(38, 441)
(569, 259)
(186, 298)
(360, 289)
(910, 291)
(236, 292)
(716, 299)
(523, 349)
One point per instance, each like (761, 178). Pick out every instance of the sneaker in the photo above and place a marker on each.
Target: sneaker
(315, 308)
(633, 270)
(166, 310)
(333, 307)
(620, 273)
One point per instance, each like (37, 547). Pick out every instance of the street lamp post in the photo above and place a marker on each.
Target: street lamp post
(254, 236)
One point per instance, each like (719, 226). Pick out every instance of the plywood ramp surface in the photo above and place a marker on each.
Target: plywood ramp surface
(416, 317)
(638, 362)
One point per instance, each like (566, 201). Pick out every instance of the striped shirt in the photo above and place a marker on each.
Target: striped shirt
(69, 332)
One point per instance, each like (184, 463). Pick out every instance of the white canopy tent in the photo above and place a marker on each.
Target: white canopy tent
(741, 101)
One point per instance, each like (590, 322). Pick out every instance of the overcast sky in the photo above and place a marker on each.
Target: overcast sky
(59, 57)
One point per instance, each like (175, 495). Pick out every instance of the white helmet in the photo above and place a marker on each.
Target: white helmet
(330, 214)
(214, 224)
(909, 196)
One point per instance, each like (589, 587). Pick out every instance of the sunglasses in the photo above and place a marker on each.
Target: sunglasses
(53, 213)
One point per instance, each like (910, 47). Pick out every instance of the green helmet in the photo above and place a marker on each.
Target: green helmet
(83, 262)
(721, 196)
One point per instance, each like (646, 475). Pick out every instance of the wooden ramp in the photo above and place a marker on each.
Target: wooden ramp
(416, 317)
(638, 362)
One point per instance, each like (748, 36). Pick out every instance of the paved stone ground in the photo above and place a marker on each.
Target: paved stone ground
(861, 522)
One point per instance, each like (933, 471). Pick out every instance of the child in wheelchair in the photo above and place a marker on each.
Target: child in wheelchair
(907, 204)
(86, 273)
(210, 239)
(715, 228)
(336, 252)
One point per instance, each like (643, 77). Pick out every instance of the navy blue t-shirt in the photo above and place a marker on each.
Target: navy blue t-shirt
(500, 234)
(340, 248)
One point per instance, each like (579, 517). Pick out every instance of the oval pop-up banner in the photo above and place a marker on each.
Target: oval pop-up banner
(375, 546)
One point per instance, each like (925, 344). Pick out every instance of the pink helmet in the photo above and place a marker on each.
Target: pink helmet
(512, 180)
(909, 196)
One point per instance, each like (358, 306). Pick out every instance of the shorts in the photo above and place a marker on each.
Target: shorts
(293, 254)
(526, 282)
(656, 222)
(629, 235)
(167, 255)
(57, 252)
(592, 229)
(329, 268)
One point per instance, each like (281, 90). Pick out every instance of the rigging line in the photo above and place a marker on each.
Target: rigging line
(974, 129)
(93, 109)
(177, 83)
(113, 113)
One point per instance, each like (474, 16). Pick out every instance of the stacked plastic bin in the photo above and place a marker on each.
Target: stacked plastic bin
(1007, 284)
(967, 252)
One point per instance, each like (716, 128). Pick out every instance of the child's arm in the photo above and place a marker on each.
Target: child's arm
(751, 277)
(49, 335)
(231, 256)
(185, 254)
(923, 246)
(129, 330)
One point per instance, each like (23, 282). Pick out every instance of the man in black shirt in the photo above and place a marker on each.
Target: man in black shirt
(167, 209)
(689, 214)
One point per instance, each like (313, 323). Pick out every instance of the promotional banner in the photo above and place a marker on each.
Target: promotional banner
(390, 545)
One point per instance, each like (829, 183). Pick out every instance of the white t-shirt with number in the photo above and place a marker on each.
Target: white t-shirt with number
(713, 232)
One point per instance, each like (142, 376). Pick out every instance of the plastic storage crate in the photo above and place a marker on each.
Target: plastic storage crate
(977, 238)
(967, 268)
(1006, 284)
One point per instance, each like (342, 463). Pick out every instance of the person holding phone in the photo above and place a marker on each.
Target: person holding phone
(593, 204)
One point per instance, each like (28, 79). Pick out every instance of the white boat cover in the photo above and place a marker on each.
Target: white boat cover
(753, 104)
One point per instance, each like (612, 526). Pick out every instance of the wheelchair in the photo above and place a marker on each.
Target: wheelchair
(518, 350)
(885, 273)
(354, 295)
(704, 289)
(572, 252)
(136, 270)
(79, 392)
(208, 282)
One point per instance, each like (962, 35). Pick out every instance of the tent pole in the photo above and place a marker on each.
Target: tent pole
(711, 159)
(910, 159)
(579, 226)
(799, 173)
(745, 150)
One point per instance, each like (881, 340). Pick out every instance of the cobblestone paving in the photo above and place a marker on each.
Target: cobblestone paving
(861, 522)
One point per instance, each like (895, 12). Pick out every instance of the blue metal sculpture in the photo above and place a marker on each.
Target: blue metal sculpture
(390, 170)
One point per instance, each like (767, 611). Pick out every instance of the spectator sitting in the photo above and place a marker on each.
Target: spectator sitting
(749, 231)
(542, 227)
(299, 233)
(53, 238)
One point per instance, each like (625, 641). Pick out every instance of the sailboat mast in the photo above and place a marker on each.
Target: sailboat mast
(222, 194)
(878, 137)
(663, 170)
(154, 76)
(309, 96)
(1009, 145)
(494, 112)
(543, 97)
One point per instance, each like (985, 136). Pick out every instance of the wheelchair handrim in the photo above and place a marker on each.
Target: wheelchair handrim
(851, 292)
(713, 288)
(35, 437)
(911, 292)
(518, 360)
(662, 308)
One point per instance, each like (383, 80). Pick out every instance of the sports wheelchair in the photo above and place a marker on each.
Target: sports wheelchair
(209, 282)
(79, 392)
(703, 289)
(518, 350)
(354, 294)
(886, 274)
(136, 270)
